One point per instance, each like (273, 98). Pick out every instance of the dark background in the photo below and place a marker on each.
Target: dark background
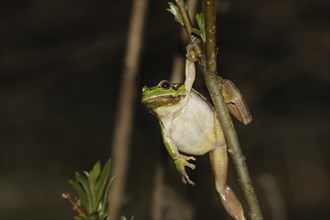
(61, 65)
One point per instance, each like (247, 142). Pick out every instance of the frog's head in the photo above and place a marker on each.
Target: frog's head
(164, 94)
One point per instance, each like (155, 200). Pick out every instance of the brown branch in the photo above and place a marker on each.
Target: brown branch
(223, 113)
(123, 125)
(214, 83)
(178, 61)
(75, 204)
(185, 16)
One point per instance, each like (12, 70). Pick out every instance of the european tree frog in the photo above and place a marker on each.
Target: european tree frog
(189, 125)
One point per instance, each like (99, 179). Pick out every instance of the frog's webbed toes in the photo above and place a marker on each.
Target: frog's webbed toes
(180, 164)
(185, 180)
(186, 163)
(188, 157)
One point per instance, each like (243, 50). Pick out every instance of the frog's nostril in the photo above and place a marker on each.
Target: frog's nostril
(144, 89)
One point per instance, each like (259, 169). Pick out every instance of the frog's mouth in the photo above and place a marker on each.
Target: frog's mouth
(166, 100)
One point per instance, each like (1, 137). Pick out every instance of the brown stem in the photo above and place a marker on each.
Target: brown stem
(214, 83)
(75, 204)
(185, 16)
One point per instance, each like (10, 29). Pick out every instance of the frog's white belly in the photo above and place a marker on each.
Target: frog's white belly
(195, 130)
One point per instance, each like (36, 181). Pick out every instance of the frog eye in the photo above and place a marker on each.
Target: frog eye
(165, 85)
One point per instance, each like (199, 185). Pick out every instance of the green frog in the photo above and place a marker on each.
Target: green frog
(189, 125)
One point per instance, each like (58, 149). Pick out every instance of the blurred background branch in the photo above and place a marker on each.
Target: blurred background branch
(124, 120)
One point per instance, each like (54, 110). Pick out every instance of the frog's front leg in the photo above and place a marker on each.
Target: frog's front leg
(219, 163)
(190, 74)
(181, 161)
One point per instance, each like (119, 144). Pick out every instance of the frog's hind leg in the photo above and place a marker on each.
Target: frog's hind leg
(219, 163)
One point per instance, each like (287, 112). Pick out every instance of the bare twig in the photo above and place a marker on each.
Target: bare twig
(178, 61)
(75, 204)
(223, 113)
(214, 83)
(123, 126)
(185, 16)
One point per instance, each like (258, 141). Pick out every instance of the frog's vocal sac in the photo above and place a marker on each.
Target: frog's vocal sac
(189, 125)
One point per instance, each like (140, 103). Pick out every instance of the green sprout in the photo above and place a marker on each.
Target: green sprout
(200, 31)
(92, 190)
(201, 25)
(173, 9)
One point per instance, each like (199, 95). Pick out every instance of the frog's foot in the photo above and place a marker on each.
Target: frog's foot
(181, 162)
(235, 102)
(193, 51)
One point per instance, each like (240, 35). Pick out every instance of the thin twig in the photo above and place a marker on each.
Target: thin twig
(185, 16)
(213, 83)
(178, 61)
(188, 27)
(75, 204)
